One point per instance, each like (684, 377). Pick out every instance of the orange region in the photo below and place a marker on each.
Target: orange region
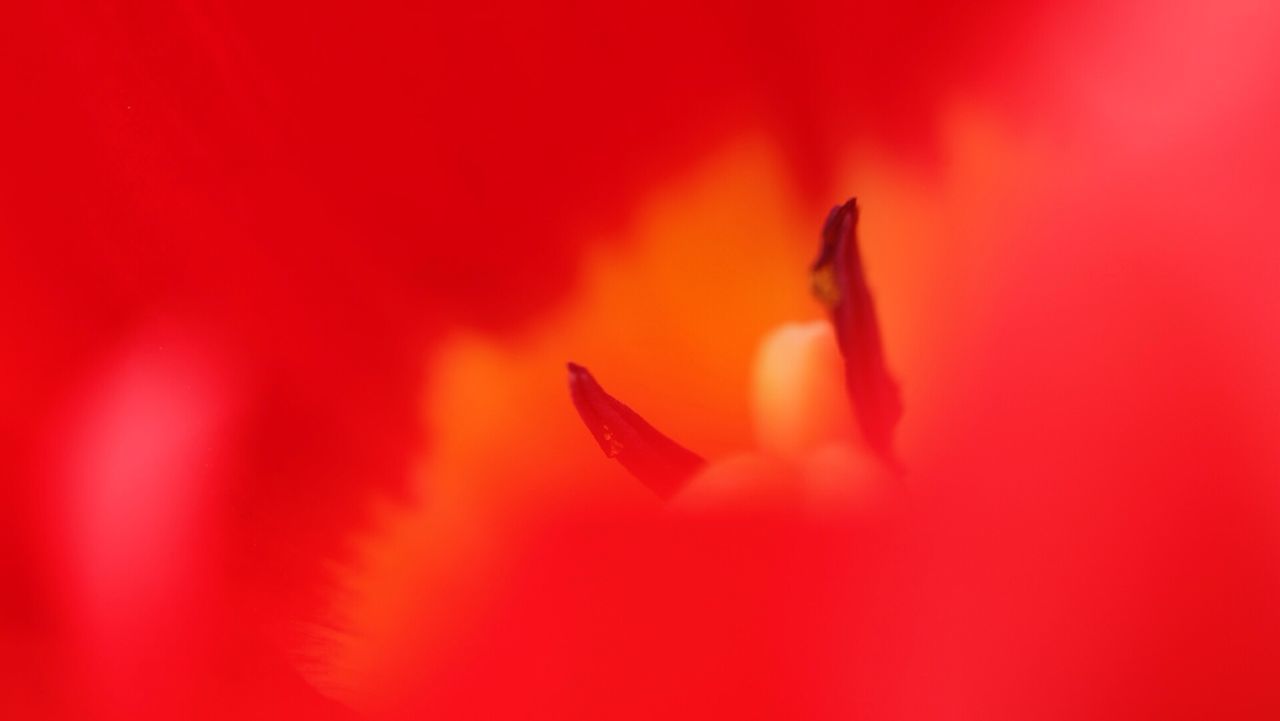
(669, 321)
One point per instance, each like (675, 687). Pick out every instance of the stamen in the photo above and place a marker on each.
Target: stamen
(839, 283)
(657, 461)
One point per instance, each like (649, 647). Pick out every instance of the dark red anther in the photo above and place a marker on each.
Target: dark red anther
(659, 462)
(840, 283)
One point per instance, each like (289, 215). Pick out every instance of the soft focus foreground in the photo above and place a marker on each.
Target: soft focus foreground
(289, 297)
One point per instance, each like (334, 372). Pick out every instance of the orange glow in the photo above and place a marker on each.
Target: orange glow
(672, 323)
(672, 320)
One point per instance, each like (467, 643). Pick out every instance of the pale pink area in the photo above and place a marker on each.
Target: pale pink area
(140, 456)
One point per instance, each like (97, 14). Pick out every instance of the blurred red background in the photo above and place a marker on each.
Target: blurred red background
(240, 243)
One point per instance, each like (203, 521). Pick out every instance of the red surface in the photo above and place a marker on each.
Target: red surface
(231, 237)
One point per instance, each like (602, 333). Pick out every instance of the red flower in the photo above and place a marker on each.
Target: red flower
(239, 240)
